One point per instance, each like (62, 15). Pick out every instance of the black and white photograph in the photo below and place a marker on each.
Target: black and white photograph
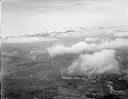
(64, 49)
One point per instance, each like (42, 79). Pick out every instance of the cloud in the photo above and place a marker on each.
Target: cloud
(121, 34)
(91, 39)
(83, 46)
(27, 39)
(117, 43)
(97, 63)
(76, 48)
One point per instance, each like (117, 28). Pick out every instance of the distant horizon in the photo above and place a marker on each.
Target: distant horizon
(60, 30)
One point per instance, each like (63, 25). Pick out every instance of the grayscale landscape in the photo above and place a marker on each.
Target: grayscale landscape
(55, 49)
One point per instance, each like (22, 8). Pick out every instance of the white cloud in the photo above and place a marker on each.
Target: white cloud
(83, 46)
(27, 39)
(121, 34)
(117, 43)
(76, 48)
(91, 39)
(96, 63)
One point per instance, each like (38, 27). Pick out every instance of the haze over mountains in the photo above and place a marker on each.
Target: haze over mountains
(101, 42)
(55, 35)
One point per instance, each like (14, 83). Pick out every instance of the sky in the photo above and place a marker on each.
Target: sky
(32, 16)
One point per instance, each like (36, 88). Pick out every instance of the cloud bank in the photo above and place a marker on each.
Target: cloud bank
(27, 39)
(121, 34)
(97, 63)
(76, 48)
(91, 39)
(83, 46)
